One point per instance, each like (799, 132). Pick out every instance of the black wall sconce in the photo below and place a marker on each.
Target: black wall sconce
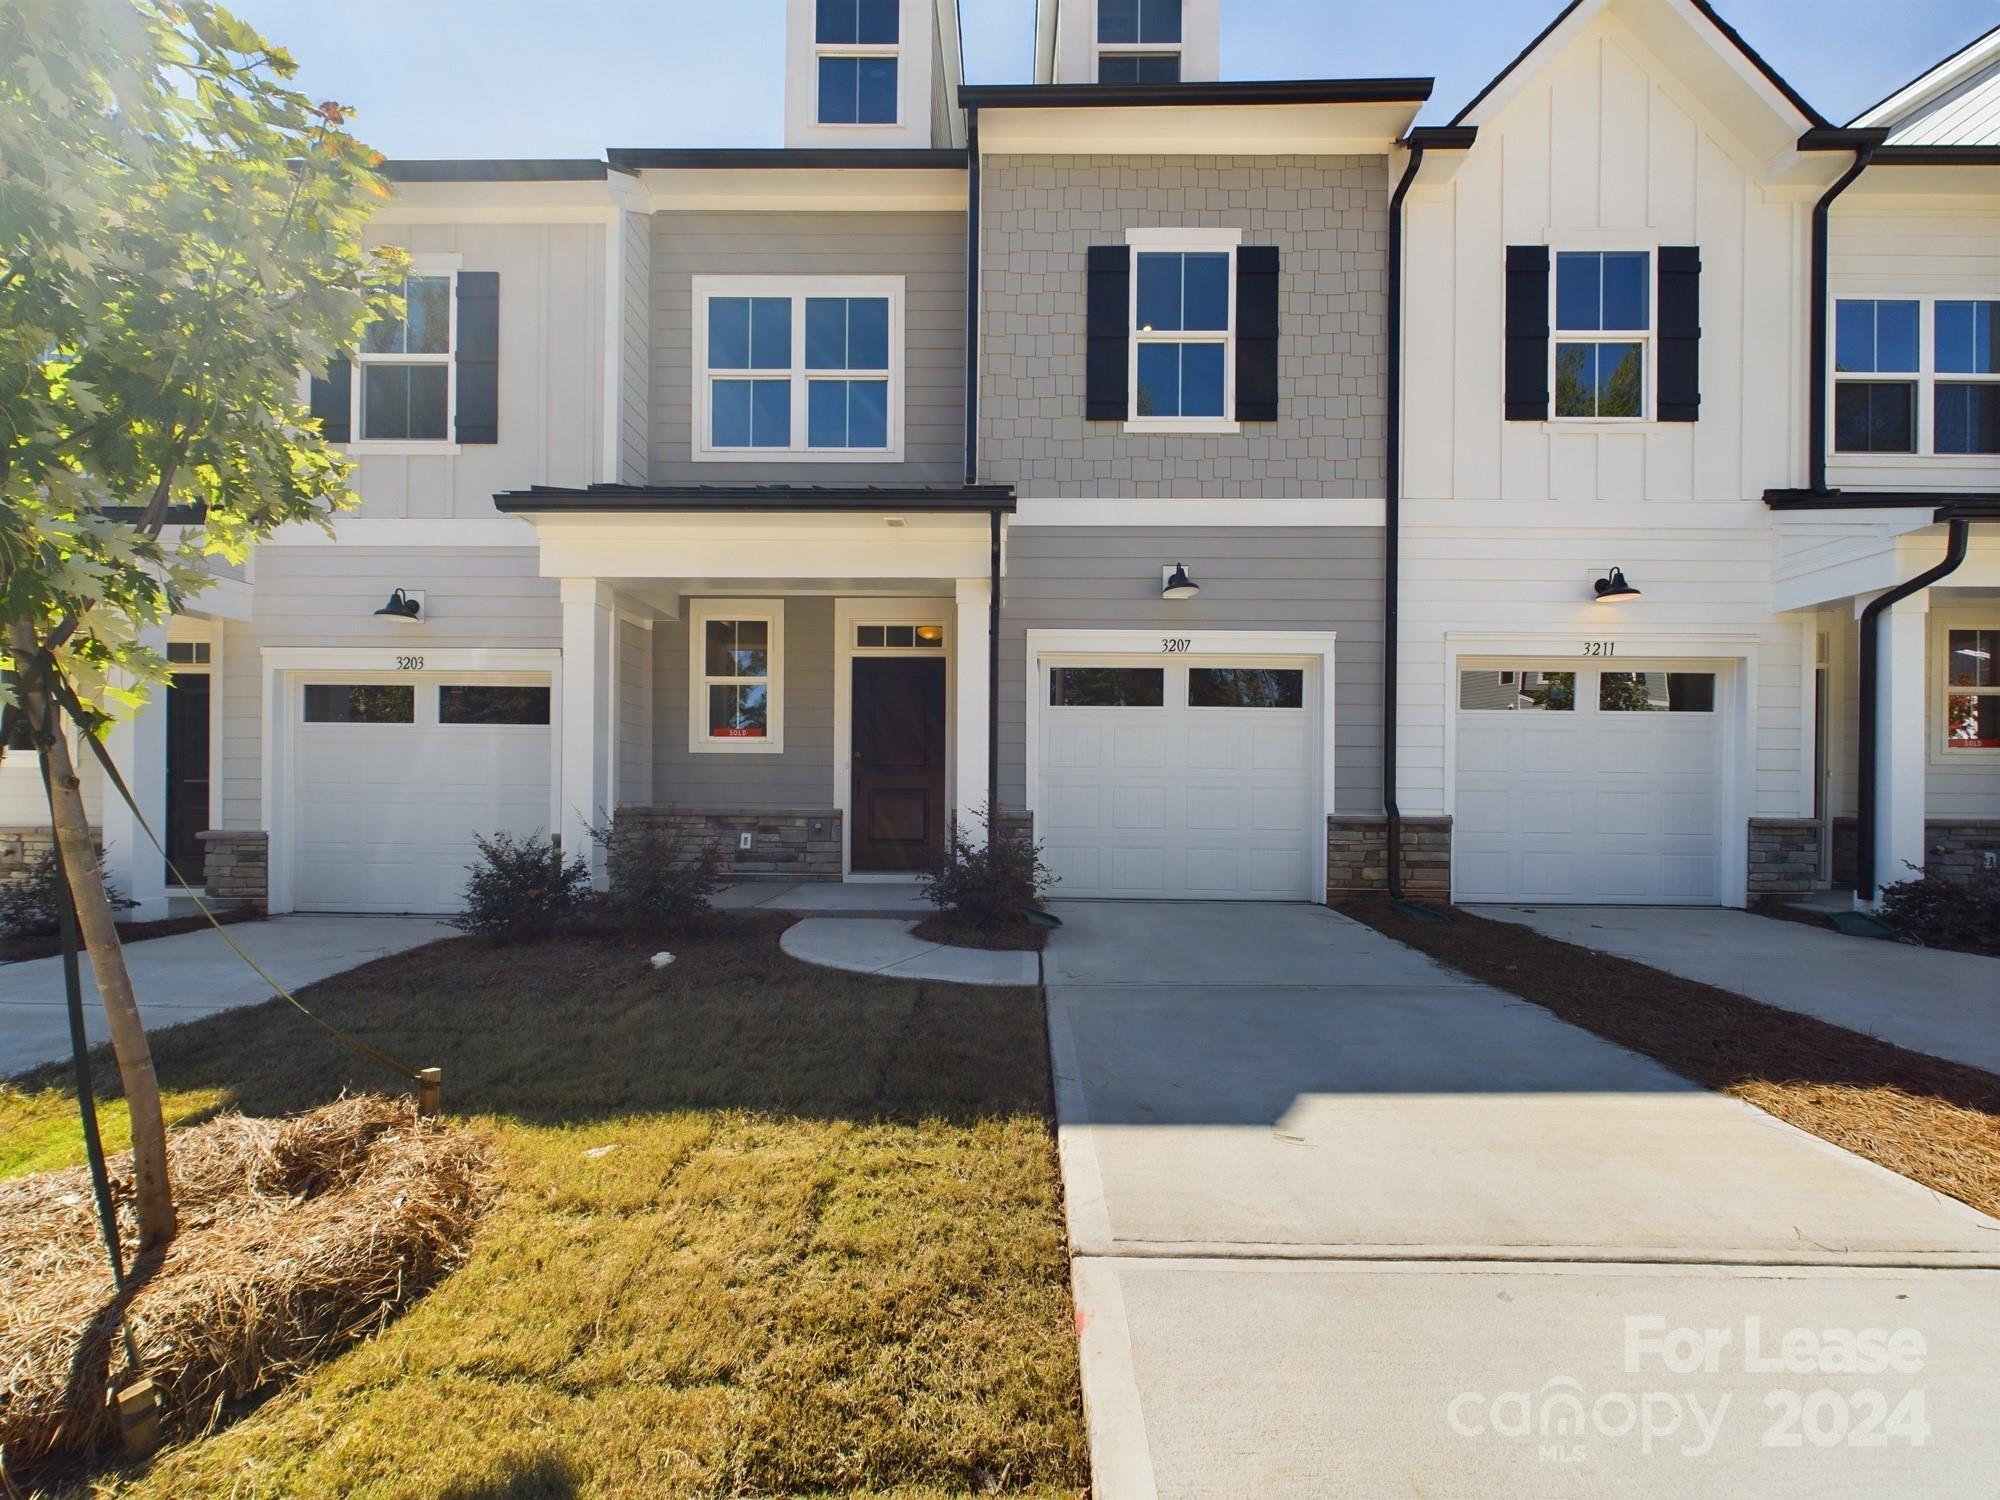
(402, 607)
(1175, 583)
(1614, 587)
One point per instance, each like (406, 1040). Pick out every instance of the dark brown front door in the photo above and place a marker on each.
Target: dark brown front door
(187, 773)
(899, 807)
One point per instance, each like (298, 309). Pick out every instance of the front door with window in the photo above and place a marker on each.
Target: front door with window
(899, 762)
(187, 774)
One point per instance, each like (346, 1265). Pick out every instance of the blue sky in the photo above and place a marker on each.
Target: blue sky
(572, 77)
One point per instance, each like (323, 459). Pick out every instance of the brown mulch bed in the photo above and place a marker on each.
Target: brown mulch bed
(1934, 1121)
(49, 944)
(297, 1236)
(1018, 937)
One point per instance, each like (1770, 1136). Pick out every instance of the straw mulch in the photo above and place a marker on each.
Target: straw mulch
(297, 1236)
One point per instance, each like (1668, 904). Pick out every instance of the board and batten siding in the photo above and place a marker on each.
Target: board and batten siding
(1252, 578)
(1328, 216)
(552, 332)
(926, 249)
(1885, 244)
(800, 777)
(326, 595)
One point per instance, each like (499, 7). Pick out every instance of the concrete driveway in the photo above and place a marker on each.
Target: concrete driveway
(1339, 1216)
(1946, 1004)
(195, 974)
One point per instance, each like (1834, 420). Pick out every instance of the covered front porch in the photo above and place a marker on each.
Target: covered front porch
(802, 676)
(1906, 775)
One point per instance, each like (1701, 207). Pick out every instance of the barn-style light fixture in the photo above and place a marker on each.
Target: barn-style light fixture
(1614, 587)
(1177, 584)
(402, 607)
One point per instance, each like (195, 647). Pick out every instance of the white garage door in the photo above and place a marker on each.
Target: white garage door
(1194, 780)
(391, 778)
(1589, 786)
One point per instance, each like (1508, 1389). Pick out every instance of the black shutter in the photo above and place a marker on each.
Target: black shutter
(478, 356)
(333, 401)
(1527, 333)
(1108, 323)
(1257, 333)
(1680, 333)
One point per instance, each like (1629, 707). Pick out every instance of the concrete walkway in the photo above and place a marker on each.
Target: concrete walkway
(194, 974)
(884, 945)
(1339, 1216)
(1946, 1004)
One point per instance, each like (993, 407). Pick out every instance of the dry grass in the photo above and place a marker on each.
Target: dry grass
(297, 1237)
(1015, 937)
(759, 1229)
(1934, 1121)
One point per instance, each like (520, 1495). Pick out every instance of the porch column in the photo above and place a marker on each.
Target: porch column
(1900, 742)
(588, 645)
(137, 744)
(974, 687)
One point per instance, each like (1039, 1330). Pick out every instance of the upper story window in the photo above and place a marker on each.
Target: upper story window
(405, 366)
(1182, 346)
(1138, 41)
(1603, 328)
(808, 367)
(855, 57)
(1916, 375)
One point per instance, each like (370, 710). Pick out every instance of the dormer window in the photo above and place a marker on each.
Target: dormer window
(855, 48)
(1138, 41)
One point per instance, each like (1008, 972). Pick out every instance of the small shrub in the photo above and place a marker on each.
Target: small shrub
(522, 890)
(31, 904)
(660, 885)
(988, 884)
(1935, 911)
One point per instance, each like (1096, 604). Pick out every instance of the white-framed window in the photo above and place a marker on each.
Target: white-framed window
(736, 676)
(1916, 375)
(405, 383)
(1138, 41)
(856, 45)
(1968, 695)
(804, 367)
(1183, 352)
(1601, 352)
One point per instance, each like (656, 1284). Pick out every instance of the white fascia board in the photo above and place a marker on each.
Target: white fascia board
(1203, 511)
(382, 531)
(742, 546)
(1198, 130)
(1946, 76)
(590, 201)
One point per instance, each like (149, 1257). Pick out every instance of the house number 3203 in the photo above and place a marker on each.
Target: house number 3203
(409, 664)
(1600, 648)
(1174, 645)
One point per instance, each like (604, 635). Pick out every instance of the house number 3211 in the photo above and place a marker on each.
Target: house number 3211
(1600, 648)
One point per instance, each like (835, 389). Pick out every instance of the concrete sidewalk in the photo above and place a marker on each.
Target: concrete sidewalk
(1329, 1203)
(1946, 1004)
(886, 946)
(195, 974)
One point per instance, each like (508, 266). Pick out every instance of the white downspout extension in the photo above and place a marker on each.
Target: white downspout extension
(587, 647)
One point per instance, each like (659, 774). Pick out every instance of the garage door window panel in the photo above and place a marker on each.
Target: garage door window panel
(1107, 687)
(492, 704)
(360, 703)
(1514, 689)
(1246, 687)
(1656, 692)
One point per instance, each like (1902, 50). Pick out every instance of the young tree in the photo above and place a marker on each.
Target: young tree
(180, 237)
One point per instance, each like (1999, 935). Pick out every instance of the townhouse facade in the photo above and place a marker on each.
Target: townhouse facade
(1256, 493)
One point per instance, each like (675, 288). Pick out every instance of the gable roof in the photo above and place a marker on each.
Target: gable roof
(1955, 103)
(1725, 34)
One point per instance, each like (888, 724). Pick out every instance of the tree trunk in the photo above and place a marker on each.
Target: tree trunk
(107, 962)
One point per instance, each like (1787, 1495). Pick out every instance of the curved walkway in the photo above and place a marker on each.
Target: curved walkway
(881, 945)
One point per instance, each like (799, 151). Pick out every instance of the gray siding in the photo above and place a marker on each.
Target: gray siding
(1328, 216)
(1318, 578)
(801, 776)
(635, 335)
(327, 596)
(635, 702)
(926, 249)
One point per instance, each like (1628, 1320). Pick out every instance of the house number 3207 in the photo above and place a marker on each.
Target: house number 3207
(1600, 648)
(1174, 645)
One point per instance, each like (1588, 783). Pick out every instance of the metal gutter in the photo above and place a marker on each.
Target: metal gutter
(780, 158)
(1129, 95)
(1866, 770)
(1793, 500)
(569, 170)
(831, 499)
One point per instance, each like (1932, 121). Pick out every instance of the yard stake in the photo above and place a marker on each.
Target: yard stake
(139, 1417)
(430, 1090)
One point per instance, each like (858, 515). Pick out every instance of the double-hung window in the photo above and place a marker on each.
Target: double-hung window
(736, 675)
(405, 366)
(1603, 323)
(1183, 354)
(1971, 688)
(855, 58)
(1916, 375)
(803, 367)
(1138, 41)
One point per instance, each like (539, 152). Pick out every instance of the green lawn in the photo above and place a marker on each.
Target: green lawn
(823, 1254)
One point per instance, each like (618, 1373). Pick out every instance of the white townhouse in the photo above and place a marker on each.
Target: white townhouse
(1586, 500)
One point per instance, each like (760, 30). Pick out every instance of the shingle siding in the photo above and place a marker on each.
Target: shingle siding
(1328, 216)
